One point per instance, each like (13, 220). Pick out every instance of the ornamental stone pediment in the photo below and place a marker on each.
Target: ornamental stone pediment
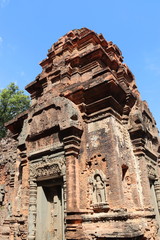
(58, 112)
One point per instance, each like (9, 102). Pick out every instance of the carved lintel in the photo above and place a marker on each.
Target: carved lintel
(47, 168)
(44, 171)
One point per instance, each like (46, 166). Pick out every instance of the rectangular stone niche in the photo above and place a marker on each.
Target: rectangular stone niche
(50, 210)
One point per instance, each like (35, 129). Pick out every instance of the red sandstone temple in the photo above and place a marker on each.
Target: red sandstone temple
(83, 161)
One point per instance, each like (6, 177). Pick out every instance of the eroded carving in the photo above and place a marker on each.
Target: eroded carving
(2, 194)
(53, 114)
(47, 167)
(98, 187)
(151, 171)
(9, 208)
(96, 159)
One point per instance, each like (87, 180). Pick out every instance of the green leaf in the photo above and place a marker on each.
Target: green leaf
(12, 102)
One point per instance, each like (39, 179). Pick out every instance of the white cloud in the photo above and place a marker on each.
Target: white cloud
(4, 3)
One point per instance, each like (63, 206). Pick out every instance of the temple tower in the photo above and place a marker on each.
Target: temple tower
(87, 163)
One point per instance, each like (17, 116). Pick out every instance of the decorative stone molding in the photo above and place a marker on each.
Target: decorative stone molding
(22, 136)
(32, 210)
(151, 171)
(157, 191)
(47, 168)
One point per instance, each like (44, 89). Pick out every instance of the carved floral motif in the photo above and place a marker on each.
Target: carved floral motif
(47, 167)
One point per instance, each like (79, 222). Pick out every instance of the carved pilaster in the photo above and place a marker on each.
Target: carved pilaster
(71, 140)
(32, 210)
(157, 191)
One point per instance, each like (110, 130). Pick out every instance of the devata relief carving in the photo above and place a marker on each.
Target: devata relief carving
(83, 161)
(99, 189)
(98, 185)
(2, 194)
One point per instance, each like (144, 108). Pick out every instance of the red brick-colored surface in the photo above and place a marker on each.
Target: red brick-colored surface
(89, 132)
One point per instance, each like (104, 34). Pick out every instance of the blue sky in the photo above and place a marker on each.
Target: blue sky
(28, 28)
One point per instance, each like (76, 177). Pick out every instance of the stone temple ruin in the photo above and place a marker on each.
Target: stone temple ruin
(83, 161)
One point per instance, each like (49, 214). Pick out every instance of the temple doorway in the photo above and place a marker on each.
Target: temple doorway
(50, 210)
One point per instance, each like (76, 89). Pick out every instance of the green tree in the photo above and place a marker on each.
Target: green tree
(12, 102)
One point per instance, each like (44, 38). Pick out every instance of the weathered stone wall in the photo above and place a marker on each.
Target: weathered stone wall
(86, 156)
(8, 149)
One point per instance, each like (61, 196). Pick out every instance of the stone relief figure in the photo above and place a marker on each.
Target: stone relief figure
(2, 194)
(98, 188)
(18, 199)
(9, 208)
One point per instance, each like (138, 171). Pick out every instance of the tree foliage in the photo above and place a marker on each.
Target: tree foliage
(12, 102)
